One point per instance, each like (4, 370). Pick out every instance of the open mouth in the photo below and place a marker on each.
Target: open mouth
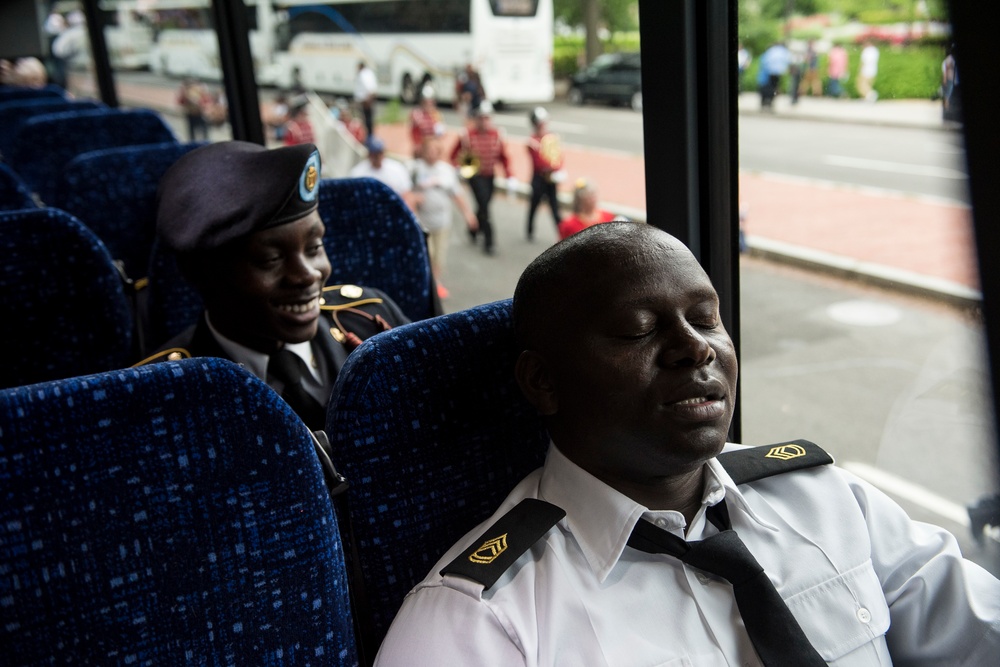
(299, 308)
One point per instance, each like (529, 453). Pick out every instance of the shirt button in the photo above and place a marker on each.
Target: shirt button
(704, 579)
(661, 523)
(864, 615)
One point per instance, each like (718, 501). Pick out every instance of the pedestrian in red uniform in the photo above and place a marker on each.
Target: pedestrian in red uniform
(298, 129)
(585, 211)
(425, 120)
(546, 162)
(479, 150)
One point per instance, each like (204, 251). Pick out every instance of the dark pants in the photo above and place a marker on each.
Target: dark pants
(482, 191)
(197, 127)
(368, 111)
(542, 187)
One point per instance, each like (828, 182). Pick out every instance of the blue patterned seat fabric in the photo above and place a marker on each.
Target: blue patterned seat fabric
(62, 302)
(166, 515)
(170, 304)
(8, 93)
(45, 144)
(14, 192)
(431, 431)
(14, 113)
(113, 192)
(373, 239)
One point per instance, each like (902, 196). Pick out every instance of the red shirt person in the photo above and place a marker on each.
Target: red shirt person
(480, 150)
(425, 120)
(585, 211)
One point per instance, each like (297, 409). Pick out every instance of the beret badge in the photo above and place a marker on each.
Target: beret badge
(309, 178)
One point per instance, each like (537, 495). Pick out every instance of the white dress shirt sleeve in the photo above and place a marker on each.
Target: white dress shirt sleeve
(944, 610)
(439, 626)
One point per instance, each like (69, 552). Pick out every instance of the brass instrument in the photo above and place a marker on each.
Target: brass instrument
(551, 152)
(468, 164)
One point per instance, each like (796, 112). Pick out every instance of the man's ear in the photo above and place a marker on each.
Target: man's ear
(535, 380)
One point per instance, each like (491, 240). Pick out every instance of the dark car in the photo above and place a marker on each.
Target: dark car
(612, 77)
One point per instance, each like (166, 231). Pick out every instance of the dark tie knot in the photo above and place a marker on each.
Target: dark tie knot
(724, 554)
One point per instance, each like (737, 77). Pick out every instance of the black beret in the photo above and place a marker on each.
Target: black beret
(226, 190)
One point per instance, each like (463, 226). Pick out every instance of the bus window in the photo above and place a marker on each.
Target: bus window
(885, 369)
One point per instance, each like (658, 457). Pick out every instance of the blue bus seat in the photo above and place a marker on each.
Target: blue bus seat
(14, 113)
(62, 300)
(170, 514)
(8, 93)
(14, 192)
(168, 304)
(45, 144)
(373, 239)
(113, 192)
(430, 429)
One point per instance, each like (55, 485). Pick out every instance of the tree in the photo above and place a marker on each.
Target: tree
(591, 15)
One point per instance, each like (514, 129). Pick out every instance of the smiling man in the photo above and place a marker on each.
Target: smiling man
(243, 222)
(646, 538)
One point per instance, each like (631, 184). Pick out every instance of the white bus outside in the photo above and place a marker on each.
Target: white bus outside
(128, 35)
(186, 42)
(317, 45)
(408, 42)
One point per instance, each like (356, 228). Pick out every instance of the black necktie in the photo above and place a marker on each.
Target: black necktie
(776, 635)
(286, 366)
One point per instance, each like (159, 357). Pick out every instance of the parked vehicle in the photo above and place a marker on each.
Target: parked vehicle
(612, 77)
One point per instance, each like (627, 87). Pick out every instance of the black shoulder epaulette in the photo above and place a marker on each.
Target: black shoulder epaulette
(170, 354)
(749, 465)
(504, 542)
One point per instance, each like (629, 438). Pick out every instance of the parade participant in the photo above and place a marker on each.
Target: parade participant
(439, 191)
(298, 128)
(425, 120)
(546, 162)
(365, 87)
(194, 98)
(479, 150)
(646, 538)
(585, 211)
(243, 222)
(391, 172)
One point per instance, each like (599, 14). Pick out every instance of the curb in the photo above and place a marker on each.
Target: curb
(906, 282)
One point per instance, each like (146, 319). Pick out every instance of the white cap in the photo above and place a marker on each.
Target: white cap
(427, 92)
(485, 108)
(539, 115)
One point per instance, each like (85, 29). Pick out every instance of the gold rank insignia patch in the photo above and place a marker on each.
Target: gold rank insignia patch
(351, 292)
(786, 452)
(489, 551)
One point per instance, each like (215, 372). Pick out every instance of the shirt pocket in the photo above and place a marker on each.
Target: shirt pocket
(843, 613)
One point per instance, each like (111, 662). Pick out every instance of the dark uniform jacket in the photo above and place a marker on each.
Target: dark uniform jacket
(350, 314)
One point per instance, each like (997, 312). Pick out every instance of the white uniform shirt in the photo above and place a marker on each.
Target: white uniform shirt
(869, 61)
(365, 84)
(314, 382)
(392, 172)
(439, 184)
(845, 558)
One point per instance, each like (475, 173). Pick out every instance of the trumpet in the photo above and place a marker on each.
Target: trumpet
(468, 165)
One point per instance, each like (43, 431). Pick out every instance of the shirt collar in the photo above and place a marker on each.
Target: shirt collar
(601, 519)
(256, 362)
